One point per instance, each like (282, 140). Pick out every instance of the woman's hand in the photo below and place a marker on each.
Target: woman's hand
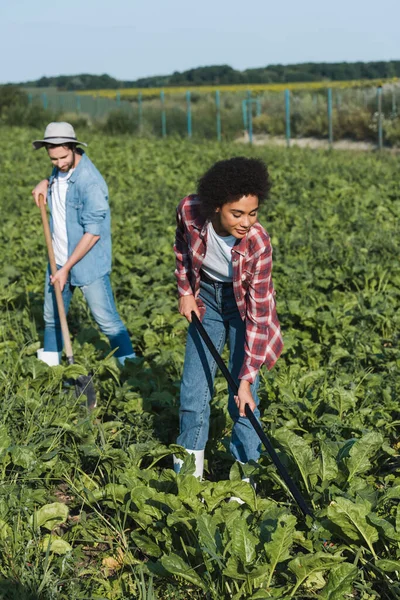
(244, 397)
(41, 188)
(187, 304)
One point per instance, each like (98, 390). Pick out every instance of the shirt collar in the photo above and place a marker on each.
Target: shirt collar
(77, 169)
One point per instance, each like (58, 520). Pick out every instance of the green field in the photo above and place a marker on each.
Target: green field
(89, 505)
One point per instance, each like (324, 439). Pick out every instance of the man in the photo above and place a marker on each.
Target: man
(77, 196)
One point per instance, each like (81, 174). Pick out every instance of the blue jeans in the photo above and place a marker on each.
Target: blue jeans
(100, 299)
(222, 322)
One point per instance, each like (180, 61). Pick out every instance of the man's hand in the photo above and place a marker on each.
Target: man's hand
(186, 305)
(244, 397)
(61, 276)
(41, 188)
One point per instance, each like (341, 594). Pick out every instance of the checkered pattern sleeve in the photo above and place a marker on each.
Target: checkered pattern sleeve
(263, 339)
(182, 258)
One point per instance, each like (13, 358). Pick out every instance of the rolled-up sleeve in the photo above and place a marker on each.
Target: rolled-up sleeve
(95, 208)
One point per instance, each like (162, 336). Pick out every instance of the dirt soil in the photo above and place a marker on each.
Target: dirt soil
(310, 142)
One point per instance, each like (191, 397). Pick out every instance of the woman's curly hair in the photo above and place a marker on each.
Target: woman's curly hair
(228, 180)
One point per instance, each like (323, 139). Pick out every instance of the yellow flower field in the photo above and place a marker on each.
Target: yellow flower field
(256, 88)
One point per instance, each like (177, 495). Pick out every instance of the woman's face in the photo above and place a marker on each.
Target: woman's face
(236, 218)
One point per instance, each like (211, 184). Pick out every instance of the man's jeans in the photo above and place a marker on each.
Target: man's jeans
(222, 322)
(100, 299)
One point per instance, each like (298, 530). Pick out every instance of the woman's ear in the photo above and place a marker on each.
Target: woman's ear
(217, 210)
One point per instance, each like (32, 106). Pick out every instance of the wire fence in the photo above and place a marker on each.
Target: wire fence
(369, 114)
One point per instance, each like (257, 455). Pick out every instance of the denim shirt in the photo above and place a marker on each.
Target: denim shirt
(87, 211)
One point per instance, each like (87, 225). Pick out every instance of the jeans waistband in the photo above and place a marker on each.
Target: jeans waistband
(207, 279)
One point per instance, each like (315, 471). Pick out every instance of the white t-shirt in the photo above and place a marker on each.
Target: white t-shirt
(58, 213)
(217, 262)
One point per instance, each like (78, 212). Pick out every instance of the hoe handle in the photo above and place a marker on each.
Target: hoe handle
(249, 414)
(57, 289)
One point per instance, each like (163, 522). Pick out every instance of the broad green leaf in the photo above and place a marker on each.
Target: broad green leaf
(393, 492)
(305, 565)
(57, 545)
(243, 542)
(389, 566)
(277, 550)
(301, 453)
(5, 530)
(207, 528)
(385, 527)
(50, 515)
(340, 582)
(22, 456)
(146, 545)
(188, 487)
(175, 565)
(351, 519)
(5, 439)
(111, 491)
(360, 453)
(328, 465)
(220, 491)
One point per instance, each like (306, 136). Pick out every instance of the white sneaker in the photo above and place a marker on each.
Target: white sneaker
(198, 461)
(122, 359)
(50, 358)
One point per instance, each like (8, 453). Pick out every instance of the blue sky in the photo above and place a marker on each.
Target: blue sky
(129, 38)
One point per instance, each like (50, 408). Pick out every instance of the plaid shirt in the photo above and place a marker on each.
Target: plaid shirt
(252, 283)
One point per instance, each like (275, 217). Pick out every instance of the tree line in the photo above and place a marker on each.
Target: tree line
(226, 75)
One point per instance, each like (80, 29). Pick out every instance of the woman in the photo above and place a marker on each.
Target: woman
(223, 270)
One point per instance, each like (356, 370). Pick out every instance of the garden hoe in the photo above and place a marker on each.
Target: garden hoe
(249, 414)
(84, 383)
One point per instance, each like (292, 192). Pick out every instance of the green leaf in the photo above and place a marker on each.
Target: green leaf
(360, 453)
(220, 491)
(208, 537)
(328, 466)
(5, 439)
(385, 527)
(301, 453)
(57, 545)
(340, 582)
(277, 550)
(351, 519)
(50, 515)
(303, 566)
(175, 565)
(5, 530)
(22, 456)
(146, 545)
(389, 566)
(243, 542)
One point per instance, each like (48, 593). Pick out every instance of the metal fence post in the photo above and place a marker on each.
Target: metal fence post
(78, 103)
(244, 114)
(330, 124)
(163, 115)
(218, 108)
(118, 97)
(287, 116)
(380, 131)
(45, 101)
(250, 116)
(394, 106)
(189, 114)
